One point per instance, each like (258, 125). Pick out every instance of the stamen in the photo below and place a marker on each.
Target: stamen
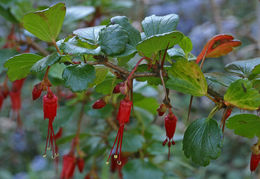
(112, 148)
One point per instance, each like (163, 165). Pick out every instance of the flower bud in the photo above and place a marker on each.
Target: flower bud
(37, 91)
(80, 164)
(162, 109)
(99, 104)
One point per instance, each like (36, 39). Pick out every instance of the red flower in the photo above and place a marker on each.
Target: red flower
(255, 159)
(37, 91)
(50, 103)
(15, 100)
(170, 122)
(80, 164)
(99, 104)
(17, 85)
(123, 116)
(68, 166)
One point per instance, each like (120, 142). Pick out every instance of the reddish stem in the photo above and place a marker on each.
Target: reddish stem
(133, 71)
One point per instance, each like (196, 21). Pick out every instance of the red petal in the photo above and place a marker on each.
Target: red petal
(50, 104)
(170, 122)
(124, 111)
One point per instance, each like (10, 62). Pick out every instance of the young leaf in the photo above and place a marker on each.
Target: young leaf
(91, 34)
(45, 62)
(155, 43)
(113, 40)
(186, 77)
(202, 141)
(154, 25)
(19, 66)
(133, 34)
(78, 77)
(242, 95)
(246, 125)
(218, 46)
(242, 68)
(45, 24)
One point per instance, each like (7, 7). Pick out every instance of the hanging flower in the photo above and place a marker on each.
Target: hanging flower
(50, 104)
(123, 116)
(68, 166)
(170, 122)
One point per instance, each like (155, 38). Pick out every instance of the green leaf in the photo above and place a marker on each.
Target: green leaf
(138, 168)
(186, 77)
(186, 44)
(78, 77)
(202, 141)
(219, 82)
(155, 43)
(176, 53)
(101, 73)
(45, 62)
(242, 68)
(75, 13)
(242, 95)
(148, 103)
(19, 66)
(133, 34)
(246, 125)
(90, 33)
(45, 24)
(76, 47)
(255, 73)
(56, 71)
(107, 86)
(153, 25)
(5, 54)
(113, 39)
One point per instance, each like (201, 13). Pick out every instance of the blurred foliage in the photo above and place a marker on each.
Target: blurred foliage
(21, 150)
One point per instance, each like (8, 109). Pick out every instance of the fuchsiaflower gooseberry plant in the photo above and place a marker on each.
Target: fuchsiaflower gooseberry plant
(110, 60)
